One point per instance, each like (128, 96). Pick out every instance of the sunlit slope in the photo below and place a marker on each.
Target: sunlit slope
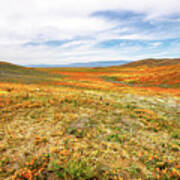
(161, 76)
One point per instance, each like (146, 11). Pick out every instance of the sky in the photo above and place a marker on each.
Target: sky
(68, 31)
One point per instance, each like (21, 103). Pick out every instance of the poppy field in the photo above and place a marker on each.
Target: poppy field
(112, 123)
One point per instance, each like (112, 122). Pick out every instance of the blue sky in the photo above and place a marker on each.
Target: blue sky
(66, 31)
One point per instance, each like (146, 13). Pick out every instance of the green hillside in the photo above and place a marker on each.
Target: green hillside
(18, 74)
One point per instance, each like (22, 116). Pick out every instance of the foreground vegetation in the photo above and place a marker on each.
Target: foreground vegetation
(90, 123)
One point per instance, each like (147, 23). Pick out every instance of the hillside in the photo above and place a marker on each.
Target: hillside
(147, 73)
(163, 76)
(14, 73)
(153, 62)
(89, 123)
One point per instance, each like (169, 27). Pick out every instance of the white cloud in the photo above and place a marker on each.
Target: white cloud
(26, 21)
(156, 44)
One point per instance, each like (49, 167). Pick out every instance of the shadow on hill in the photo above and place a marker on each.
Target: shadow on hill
(19, 74)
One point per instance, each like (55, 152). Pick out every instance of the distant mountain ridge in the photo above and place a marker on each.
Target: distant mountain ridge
(87, 64)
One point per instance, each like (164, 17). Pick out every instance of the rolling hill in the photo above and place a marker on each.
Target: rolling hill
(14, 73)
(110, 123)
(153, 62)
(148, 72)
